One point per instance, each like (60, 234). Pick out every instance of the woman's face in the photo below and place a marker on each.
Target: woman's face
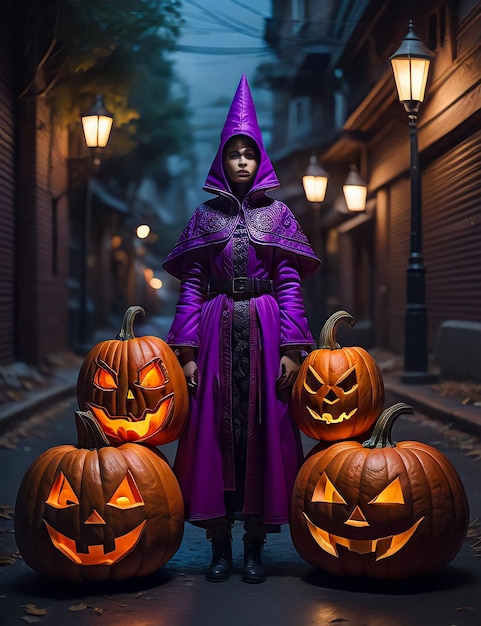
(240, 161)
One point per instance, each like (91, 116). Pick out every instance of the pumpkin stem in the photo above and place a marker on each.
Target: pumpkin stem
(381, 434)
(127, 329)
(327, 338)
(89, 433)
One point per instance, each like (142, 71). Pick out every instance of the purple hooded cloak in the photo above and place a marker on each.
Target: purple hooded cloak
(277, 250)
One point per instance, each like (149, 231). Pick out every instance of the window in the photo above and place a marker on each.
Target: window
(437, 28)
(299, 117)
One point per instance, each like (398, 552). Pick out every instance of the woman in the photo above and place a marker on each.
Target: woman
(239, 331)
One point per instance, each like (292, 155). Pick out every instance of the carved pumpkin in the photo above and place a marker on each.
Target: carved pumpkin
(379, 509)
(102, 513)
(339, 392)
(134, 387)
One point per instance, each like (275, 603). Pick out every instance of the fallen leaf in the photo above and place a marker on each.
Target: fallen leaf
(32, 609)
(30, 619)
(97, 609)
(77, 607)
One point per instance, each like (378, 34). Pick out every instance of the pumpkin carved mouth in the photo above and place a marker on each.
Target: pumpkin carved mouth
(382, 547)
(329, 418)
(96, 554)
(128, 427)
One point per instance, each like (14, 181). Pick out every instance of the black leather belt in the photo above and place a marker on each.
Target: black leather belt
(241, 286)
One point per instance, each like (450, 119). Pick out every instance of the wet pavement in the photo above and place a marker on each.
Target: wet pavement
(294, 593)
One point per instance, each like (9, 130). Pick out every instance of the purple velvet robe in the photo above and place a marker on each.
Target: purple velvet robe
(278, 250)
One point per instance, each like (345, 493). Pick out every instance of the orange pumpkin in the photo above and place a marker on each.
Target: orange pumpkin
(98, 513)
(379, 509)
(339, 392)
(134, 387)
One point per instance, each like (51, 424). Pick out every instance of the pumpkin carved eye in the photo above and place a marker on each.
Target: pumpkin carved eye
(105, 378)
(325, 491)
(127, 494)
(348, 381)
(61, 495)
(392, 494)
(153, 375)
(313, 381)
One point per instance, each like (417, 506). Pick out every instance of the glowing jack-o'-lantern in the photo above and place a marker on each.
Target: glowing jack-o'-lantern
(339, 392)
(98, 513)
(134, 387)
(379, 509)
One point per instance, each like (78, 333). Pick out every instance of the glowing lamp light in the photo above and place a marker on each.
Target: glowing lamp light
(116, 242)
(410, 65)
(143, 231)
(156, 283)
(315, 181)
(355, 191)
(97, 124)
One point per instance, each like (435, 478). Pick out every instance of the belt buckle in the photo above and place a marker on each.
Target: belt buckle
(240, 284)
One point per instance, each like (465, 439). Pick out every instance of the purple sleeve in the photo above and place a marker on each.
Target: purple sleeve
(185, 326)
(287, 286)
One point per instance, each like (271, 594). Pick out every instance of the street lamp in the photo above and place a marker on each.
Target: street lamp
(314, 181)
(355, 191)
(410, 64)
(142, 231)
(97, 124)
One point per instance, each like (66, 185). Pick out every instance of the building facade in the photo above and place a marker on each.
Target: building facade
(33, 229)
(355, 118)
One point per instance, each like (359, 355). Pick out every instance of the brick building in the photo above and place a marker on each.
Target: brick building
(33, 228)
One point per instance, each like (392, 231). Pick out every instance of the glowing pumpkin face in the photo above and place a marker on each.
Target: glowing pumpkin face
(134, 387)
(387, 512)
(84, 549)
(339, 392)
(111, 513)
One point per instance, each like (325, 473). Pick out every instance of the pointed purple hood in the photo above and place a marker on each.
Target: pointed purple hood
(241, 120)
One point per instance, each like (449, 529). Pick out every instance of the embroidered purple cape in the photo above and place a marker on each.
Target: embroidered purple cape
(275, 227)
(279, 251)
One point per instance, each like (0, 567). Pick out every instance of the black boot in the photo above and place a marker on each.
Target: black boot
(221, 565)
(254, 571)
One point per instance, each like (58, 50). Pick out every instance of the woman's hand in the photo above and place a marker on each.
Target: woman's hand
(287, 372)
(191, 375)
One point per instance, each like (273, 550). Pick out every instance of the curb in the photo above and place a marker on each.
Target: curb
(466, 418)
(40, 400)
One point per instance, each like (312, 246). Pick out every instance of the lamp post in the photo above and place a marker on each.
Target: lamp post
(314, 183)
(410, 64)
(97, 124)
(355, 191)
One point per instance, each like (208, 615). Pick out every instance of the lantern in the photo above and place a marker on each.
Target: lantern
(97, 124)
(410, 64)
(315, 181)
(355, 191)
